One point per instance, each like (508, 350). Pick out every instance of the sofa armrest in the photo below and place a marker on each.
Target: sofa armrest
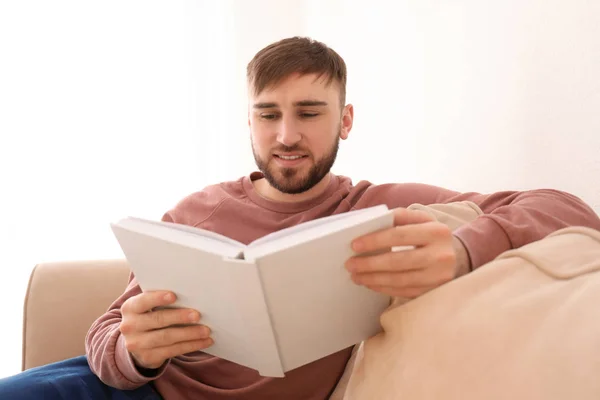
(62, 300)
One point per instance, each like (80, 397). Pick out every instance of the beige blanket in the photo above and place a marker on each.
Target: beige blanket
(524, 326)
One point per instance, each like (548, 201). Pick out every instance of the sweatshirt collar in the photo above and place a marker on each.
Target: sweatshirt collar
(286, 207)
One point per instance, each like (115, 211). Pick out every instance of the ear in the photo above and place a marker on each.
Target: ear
(249, 124)
(347, 120)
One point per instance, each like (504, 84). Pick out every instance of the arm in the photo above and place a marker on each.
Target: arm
(511, 219)
(131, 344)
(130, 350)
(105, 347)
(514, 219)
(440, 254)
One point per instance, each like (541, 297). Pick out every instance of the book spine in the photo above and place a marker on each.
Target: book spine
(250, 300)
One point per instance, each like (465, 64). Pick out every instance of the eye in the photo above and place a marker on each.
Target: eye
(308, 114)
(268, 116)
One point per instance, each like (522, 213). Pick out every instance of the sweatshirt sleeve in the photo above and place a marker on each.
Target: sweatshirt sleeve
(514, 219)
(510, 219)
(105, 348)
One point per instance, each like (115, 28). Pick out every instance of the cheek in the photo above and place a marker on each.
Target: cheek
(261, 140)
(325, 139)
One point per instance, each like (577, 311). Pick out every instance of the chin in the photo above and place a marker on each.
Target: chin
(289, 180)
(295, 179)
(292, 182)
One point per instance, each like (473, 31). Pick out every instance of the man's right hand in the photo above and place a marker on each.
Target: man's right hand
(150, 336)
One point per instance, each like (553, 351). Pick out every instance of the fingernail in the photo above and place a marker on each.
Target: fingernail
(357, 245)
(193, 316)
(169, 297)
(350, 265)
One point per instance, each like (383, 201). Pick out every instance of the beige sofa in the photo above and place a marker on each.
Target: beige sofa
(523, 326)
(62, 301)
(551, 284)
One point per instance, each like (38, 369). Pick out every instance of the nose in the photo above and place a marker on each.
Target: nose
(288, 133)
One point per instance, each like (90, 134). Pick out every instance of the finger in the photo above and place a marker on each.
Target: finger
(178, 349)
(159, 319)
(146, 301)
(396, 279)
(403, 235)
(404, 216)
(424, 278)
(154, 358)
(166, 337)
(391, 261)
(407, 292)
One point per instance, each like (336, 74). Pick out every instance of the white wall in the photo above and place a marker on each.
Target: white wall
(123, 107)
(107, 109)
(472, 95)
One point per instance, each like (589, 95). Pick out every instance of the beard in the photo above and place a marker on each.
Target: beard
(291, 180)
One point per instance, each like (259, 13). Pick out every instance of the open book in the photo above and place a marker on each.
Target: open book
(280, 302)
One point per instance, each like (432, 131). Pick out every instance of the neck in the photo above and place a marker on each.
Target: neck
(269, 192)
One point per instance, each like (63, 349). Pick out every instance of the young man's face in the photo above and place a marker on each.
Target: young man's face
(295, 130)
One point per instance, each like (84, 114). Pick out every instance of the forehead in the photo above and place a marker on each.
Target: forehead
(298, 87)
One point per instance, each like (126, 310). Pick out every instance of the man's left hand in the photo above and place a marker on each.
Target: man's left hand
(434, 256)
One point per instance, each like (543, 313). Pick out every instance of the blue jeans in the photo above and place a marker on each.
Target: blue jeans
(68, 379)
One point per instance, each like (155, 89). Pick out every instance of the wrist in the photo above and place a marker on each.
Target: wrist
(463, 261)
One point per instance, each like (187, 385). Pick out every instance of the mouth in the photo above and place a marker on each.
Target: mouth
(290, 160)
(290, 157)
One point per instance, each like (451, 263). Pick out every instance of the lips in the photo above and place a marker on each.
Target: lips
(289, 160)
(290, 157)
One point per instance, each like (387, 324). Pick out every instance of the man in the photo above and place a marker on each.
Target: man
(297, 114)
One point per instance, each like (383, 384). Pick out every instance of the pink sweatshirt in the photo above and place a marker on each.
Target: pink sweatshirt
(235, 209)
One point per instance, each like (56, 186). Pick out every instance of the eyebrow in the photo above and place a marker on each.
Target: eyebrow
(301, 103)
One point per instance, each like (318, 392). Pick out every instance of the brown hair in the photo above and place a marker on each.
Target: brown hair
(295, 55)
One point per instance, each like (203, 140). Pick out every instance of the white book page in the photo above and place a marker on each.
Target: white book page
(315, 307)
(225, 290)
(183, 234)
(312, 230)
